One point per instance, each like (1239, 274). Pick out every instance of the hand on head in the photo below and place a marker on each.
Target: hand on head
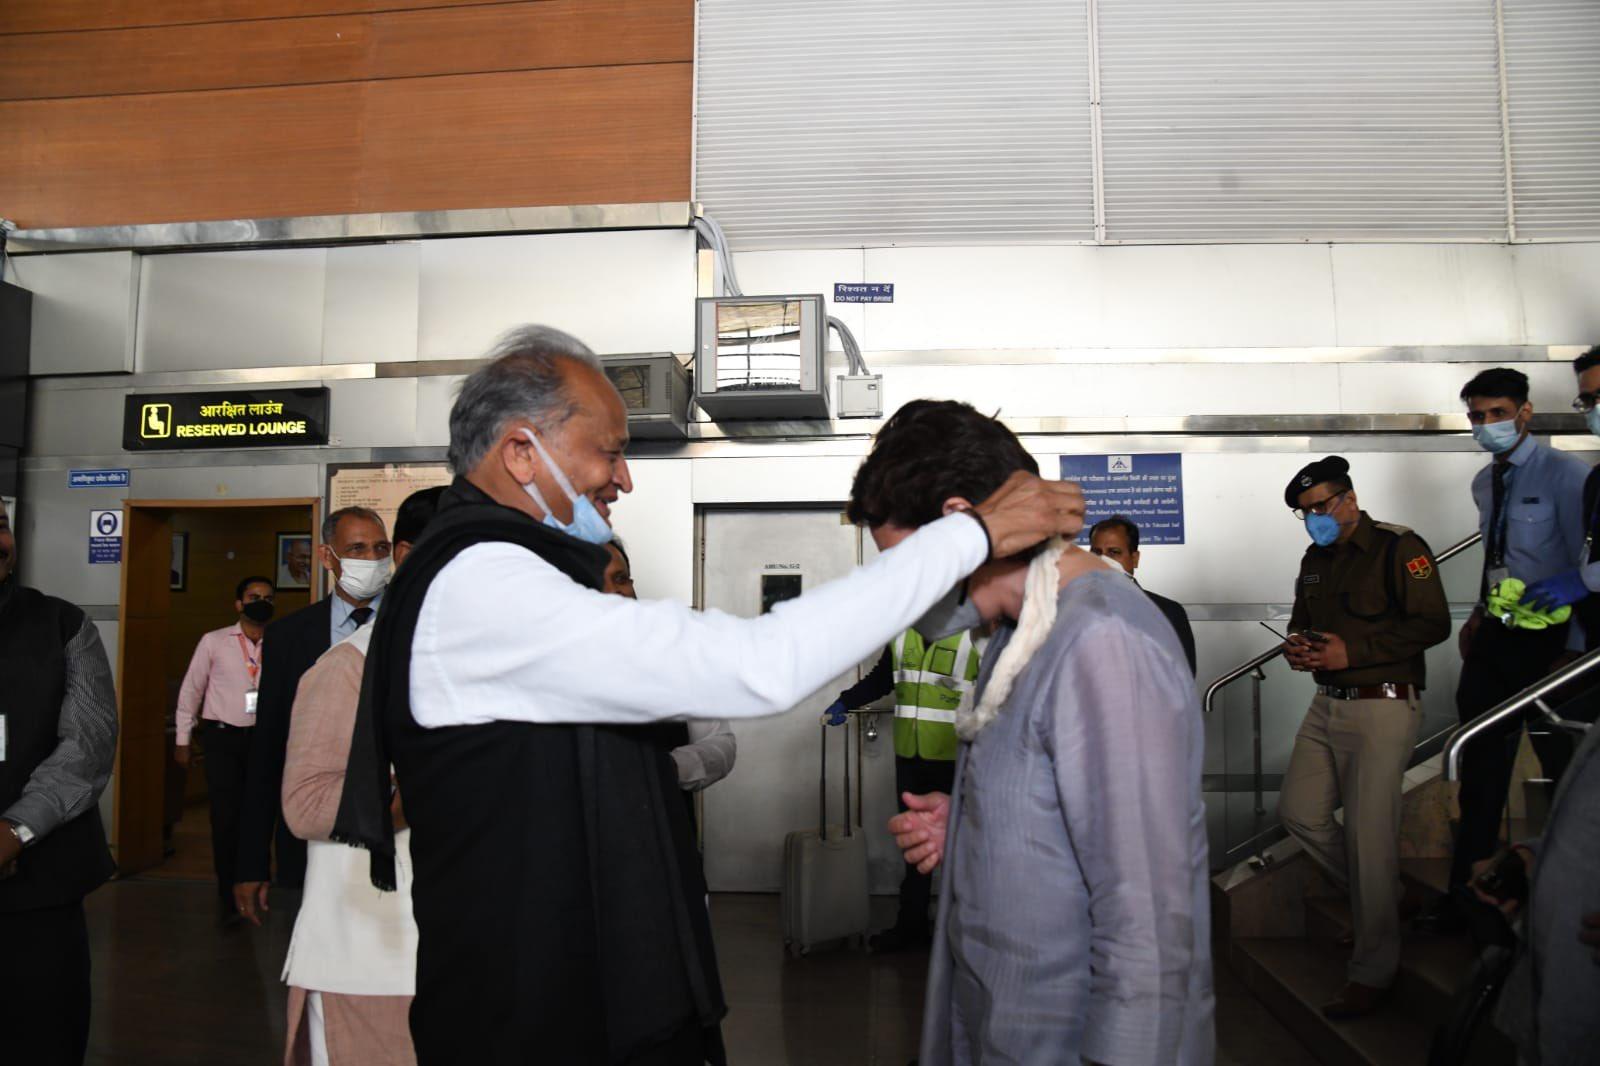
(1027, 510)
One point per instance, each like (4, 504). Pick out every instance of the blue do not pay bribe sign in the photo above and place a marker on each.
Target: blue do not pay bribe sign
(1147, 489)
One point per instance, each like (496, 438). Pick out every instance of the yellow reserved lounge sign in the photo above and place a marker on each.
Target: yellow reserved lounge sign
(237, 418)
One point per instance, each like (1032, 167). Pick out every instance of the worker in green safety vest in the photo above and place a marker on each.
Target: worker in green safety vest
(929, 683)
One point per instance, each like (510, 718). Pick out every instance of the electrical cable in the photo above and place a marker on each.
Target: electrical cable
(711, 232)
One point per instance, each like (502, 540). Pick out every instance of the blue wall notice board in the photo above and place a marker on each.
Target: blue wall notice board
(1145, 488)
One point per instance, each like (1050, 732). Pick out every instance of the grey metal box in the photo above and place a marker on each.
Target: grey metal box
(655, 390)
(761, 357)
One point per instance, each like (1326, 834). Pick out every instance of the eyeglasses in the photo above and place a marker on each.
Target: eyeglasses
(1325, 505)
(1585, 402)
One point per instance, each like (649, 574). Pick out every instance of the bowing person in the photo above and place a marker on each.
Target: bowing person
(559, 916)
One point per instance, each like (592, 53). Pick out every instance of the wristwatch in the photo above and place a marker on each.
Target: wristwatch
(24, 835)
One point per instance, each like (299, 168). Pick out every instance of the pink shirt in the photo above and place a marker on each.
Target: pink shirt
(226, 665)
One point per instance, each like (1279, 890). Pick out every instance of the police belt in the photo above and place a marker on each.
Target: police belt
(1386, 691)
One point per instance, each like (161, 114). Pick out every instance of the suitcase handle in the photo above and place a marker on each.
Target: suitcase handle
(822, 787)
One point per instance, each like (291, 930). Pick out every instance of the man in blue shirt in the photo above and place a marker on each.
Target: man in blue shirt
(1530, 512)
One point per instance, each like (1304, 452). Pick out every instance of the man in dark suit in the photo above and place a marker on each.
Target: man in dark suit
(1117, 538)
(355, 551)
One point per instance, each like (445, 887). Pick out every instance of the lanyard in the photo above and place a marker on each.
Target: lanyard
(1497, 534)
(1588, 531)
(251, 663)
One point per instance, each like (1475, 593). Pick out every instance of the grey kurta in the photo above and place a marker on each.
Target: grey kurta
(1074, 916)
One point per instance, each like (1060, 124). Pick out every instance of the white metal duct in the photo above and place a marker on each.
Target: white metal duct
(1247, 120)
(1553, 94)
(845, 123)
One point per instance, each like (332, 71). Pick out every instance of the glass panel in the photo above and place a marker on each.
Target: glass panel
(633, 382)
(758, 346)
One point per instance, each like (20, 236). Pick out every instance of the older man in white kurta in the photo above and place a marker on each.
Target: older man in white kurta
(1074, 918)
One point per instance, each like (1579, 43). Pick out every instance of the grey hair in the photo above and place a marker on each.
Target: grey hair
(522, 380)
(330, 525)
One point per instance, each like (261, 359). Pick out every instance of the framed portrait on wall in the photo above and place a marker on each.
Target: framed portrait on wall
(180, 562)
(295, 564)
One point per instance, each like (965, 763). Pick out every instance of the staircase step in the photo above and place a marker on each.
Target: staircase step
(1430, 876)
(1431, 968)
(1295, 977)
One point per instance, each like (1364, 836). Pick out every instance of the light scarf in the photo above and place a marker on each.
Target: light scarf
(1041, 590)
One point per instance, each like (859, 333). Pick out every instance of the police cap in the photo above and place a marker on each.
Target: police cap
(1333, 468)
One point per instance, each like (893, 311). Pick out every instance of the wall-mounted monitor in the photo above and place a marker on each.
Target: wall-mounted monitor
(761, 357)
(655, 391)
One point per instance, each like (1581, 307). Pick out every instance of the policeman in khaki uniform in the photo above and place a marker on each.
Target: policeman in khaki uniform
(929, 684)
(1368, 603)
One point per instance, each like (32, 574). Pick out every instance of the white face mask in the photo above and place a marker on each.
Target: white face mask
(364, 579)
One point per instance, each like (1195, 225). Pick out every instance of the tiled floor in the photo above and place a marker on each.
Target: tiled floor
(174, 986)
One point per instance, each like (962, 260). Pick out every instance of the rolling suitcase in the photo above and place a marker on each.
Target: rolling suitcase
(825, 895)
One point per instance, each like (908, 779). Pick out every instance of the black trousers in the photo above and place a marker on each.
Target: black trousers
(227, 755)
(916, 889)
(44, 985)
(1500, 663)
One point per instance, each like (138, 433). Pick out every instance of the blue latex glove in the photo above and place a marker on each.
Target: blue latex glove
(836, 713)
(1558, 591)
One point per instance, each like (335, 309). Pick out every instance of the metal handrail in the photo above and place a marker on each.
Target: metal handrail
(1265, 657)
(1531, 696)
(1252, 669)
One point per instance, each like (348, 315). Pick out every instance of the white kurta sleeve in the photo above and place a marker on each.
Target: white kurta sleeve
(708, 757)
(505, 636)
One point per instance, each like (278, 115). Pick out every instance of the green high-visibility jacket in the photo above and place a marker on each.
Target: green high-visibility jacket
(930, 682)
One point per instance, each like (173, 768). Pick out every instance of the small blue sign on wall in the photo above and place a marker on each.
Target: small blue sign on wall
(105, 536)
(1146, 489)
(97, 479)
(871, 292)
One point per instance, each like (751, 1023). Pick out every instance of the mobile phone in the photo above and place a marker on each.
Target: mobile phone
(1507, 879)
(1314, 637)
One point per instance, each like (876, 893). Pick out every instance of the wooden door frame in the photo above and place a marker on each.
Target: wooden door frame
(129, 507)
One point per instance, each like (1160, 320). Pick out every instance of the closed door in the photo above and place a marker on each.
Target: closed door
(752, 561)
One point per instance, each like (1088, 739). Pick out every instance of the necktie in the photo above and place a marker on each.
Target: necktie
(360, 615)
(1496, 555)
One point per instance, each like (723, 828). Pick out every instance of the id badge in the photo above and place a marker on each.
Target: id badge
(1497, 575)
(250, 702)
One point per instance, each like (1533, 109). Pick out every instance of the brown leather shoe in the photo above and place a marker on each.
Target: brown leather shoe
(1354, 1001)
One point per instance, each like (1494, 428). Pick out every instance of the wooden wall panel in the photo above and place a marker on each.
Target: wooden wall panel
(251, 153)
(44, 16)
(339, 106)
(296, 51)
(605, 135)
(217, 55)
(559, 33)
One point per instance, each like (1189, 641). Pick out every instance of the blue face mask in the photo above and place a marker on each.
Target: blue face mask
(1497, 437)
(587, 523)
(1324, 529)
(1592, 418)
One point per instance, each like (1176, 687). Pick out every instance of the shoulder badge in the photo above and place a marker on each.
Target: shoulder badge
(1420, 568)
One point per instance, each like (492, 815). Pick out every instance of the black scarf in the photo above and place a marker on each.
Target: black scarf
(466, 516)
